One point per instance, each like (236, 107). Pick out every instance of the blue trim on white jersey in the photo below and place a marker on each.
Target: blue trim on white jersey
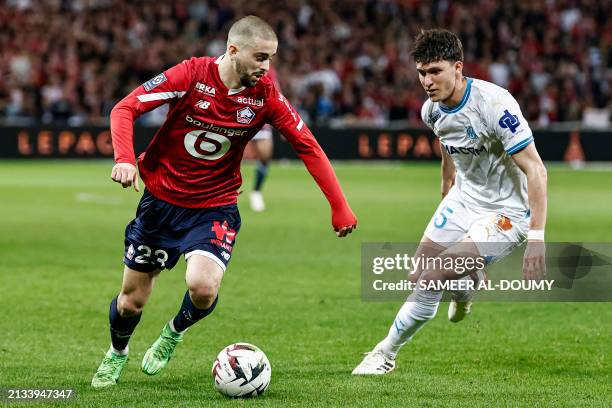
(466, 96)
(520, 146)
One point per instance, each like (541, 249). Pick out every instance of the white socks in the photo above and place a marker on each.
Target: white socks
(420, 307)
(123, 352)
(171, 324)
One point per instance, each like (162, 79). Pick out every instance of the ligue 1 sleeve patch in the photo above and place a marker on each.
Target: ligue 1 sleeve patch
(155, 81)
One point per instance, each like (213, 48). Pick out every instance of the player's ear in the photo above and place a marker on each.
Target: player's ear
(459, 67)
(232, 50)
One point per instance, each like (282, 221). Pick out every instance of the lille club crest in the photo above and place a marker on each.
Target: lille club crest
(245, 115)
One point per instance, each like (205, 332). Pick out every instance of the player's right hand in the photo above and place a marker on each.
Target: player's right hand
(534, 261)
(125, 174)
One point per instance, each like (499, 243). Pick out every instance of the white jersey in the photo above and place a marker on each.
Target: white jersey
(481, 134)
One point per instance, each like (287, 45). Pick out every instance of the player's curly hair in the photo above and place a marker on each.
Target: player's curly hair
(437, 45)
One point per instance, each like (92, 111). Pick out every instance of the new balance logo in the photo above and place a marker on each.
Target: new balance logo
(207, 90)
(202, 104)
(509, 121)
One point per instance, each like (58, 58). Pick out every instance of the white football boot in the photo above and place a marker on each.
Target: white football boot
(257, 202)
(461, 301)
(375, 363)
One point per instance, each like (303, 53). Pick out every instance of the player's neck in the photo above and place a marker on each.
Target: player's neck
(228, 75)
(457, 94)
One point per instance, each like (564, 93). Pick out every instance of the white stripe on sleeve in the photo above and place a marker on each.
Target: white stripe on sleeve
(160, 95)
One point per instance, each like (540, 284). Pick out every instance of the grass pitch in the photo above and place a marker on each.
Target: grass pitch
(293, 289)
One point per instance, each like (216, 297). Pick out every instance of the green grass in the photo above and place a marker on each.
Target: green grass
(293, 289)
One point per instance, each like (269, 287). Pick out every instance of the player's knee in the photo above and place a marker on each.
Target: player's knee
(129, 305)
(203, 293)
(431, 275)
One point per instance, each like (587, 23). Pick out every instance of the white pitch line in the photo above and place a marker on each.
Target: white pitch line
(97, 199)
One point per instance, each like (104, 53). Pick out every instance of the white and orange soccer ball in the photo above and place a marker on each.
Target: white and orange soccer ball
(241, 370)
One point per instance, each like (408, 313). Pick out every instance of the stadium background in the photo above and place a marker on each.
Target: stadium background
(345, 65)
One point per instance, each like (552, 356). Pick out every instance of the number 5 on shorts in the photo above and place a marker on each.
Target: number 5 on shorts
(442, 217)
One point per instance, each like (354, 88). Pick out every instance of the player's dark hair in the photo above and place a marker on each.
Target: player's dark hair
(437, 45)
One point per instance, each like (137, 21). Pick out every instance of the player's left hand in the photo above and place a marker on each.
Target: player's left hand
(534, 261)
(343, 221)
(344, 231)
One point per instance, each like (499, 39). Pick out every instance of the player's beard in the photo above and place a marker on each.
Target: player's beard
(244, 75)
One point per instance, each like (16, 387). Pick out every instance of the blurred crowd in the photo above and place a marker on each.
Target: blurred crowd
(71, 61)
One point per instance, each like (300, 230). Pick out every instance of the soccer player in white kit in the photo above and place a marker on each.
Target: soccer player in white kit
(493, 188)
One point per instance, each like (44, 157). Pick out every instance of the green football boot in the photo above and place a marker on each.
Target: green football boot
(158, 355)
(109, 370)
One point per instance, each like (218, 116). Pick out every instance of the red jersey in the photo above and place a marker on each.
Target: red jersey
(194, 159)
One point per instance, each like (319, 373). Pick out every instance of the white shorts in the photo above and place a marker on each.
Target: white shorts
(495, 234)
(263, 134)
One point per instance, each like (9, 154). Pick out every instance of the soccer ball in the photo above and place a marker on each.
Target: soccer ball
(241, 370)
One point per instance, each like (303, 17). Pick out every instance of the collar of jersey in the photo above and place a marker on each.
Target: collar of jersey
(466, 96)
(232, 91)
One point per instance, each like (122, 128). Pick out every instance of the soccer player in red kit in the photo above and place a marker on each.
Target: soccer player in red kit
(191, 170)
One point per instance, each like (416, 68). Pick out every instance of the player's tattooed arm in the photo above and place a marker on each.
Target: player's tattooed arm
(448, 173)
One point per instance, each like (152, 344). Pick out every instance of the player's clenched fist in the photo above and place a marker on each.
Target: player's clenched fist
(344, 223)
(126, 174)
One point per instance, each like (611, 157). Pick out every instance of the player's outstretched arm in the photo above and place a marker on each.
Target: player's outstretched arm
(529, 161)
(319, 167)
(284, 118)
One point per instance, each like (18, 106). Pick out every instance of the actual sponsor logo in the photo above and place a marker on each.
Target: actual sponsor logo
(250, 101)
(154, 82)
(245, 115)
(207, 90)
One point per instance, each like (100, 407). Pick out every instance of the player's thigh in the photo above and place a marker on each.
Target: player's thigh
(213, 235)
(203, 275)
(454, 262)
(427, 249)
(136, 288)
(450, 222)
(497, 235)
